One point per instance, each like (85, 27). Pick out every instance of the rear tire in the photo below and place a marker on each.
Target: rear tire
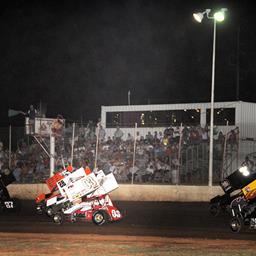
(214, 210)
(49, 212)
(58, 218)
(236, 224)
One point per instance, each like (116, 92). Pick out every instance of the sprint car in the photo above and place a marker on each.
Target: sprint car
(79, 196)
(232, 186)
(7, 204)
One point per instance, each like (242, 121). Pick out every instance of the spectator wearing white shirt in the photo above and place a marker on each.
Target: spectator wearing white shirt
(118, 134)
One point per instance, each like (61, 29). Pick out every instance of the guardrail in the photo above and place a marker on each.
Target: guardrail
(127, 192)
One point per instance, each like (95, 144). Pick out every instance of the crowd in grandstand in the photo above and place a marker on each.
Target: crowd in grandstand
(156, 158)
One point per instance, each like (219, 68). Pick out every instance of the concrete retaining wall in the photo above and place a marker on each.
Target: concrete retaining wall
(133, 192)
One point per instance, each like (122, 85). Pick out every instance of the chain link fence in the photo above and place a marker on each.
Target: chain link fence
(152, 160)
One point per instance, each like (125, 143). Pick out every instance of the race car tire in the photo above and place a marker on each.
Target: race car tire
(214, 209)
(99, 217)
(58, 218)
(49, 211)
(39, 209)
(236, 224)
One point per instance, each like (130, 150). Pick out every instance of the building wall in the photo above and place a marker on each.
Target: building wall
(247, 119)
(202, 106)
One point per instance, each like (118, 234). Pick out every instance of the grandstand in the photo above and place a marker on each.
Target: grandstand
(230, 116)
(177, 156)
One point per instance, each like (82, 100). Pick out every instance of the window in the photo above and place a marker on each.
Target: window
(221, 116)
(163, 118)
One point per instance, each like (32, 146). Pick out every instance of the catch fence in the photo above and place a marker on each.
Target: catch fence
(175, 162)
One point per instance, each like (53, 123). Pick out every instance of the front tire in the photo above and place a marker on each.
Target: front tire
(39, 209)
(99, 218)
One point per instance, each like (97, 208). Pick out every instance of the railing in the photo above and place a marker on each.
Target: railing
(31, 162)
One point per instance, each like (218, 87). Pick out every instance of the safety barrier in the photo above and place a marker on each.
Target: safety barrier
(133, 192)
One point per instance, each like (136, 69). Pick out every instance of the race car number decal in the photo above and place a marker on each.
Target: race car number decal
(115, 214)
(8, 204)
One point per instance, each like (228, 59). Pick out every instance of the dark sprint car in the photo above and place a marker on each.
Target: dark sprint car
(241, 205)
(7, 204)
(232, 186)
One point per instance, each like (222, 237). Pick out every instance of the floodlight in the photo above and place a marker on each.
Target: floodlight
(220, 15)
(198, 16)
(244, 170)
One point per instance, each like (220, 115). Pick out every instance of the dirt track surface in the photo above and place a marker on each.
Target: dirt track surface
(93, 245)
(159, 219)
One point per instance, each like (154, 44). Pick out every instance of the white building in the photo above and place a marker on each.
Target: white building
(227, 116)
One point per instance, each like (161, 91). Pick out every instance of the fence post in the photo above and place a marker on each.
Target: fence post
(72, 144)
(224, 152)
(10, 145)
(52, 154)
(134, 151)
(179, 156)
(97, 145)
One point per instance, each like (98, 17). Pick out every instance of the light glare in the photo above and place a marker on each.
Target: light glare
(219, 16)
(244, 170)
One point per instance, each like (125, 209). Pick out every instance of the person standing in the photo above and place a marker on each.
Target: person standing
(118, 134)
(32, 113)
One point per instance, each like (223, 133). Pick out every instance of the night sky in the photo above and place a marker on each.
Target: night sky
(75, 56)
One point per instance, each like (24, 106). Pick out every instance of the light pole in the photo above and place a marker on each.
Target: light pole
(217, 16)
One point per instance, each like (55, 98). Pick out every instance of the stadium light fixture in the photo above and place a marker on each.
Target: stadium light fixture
(198, 16)
(218, 16)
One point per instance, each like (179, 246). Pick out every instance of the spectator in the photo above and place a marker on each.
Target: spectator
(232, 139)
(149, 137)
(133, 172)
(160, 136)
(31, 113)
(185, 135)
(102, 133)
(150, 170)
(205, 134)
(17, 172)
(156, 138)
(109, 141)
(57, 126)
(176, 135)
(129, 138)
(221, 138)
(118, 134)
(137, 136)
(194, 135)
